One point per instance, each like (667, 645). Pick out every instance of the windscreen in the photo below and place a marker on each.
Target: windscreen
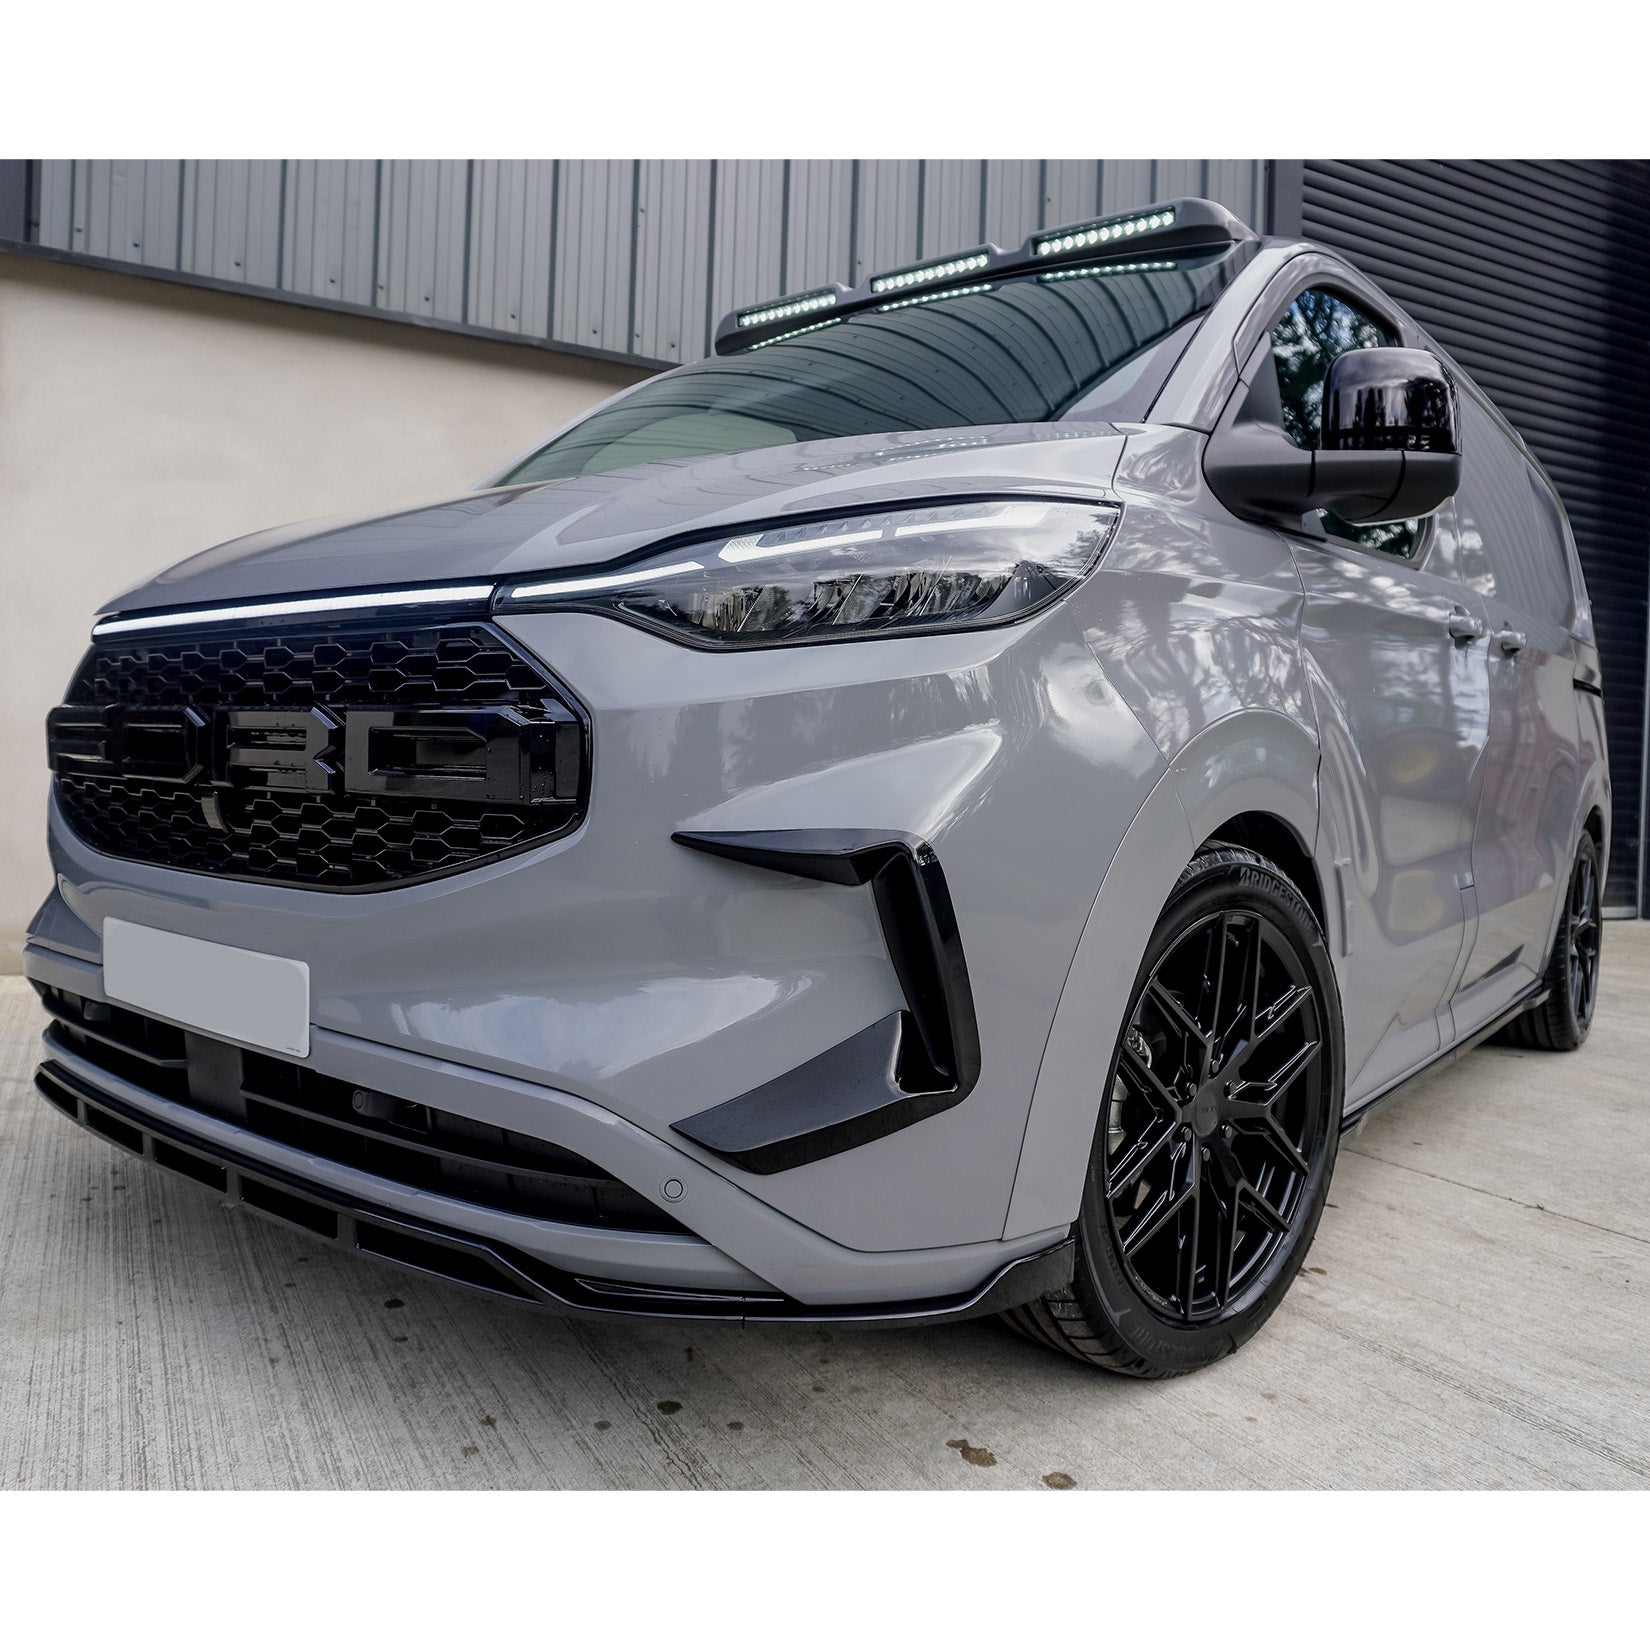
(1095, 342)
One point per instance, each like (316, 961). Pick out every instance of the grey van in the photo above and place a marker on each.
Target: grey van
(950, 806)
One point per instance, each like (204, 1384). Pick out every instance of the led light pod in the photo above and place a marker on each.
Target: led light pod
(805, 303)
(943, 269)
(1083, 235)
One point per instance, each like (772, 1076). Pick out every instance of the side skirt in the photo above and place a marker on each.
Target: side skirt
(1439, 1061)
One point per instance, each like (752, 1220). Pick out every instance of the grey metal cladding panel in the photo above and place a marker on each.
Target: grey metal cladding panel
(512, 229)
(888, 191)
(232, 220)
(423, 206)
(54, 202)
(672, 259)
(1013, 200)
(819, 224)
(952, 206)
(594, 250)
(128, 210)
(1240, 186)
(1125, 184)
(1172, 178)
(329, 229)
(1071, 190)
(747, 260)
(1530, 274)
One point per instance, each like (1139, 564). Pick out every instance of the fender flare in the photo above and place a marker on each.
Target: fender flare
(1253, 761)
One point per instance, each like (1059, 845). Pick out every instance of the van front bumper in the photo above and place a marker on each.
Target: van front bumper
(705, 1265)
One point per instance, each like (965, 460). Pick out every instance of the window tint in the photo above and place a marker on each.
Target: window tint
(1554, 546)
(1316, 328)
(1499, 520)
(1086, 342)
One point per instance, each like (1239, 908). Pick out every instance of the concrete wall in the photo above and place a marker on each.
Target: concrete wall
(140, 422)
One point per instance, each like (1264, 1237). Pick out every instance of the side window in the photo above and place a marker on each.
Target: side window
(1317, 327)
(1554, 567)
(1507, 518)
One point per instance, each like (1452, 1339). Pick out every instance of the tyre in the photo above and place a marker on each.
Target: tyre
(1217, 1135)
(1562, 1022)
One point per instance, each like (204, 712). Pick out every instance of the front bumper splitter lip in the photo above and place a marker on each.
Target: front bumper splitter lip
(496, 1268)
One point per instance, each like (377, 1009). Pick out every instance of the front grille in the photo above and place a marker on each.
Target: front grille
(344, 758)
(404, 1141)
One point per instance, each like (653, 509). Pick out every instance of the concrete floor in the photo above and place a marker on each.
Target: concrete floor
(1473, 1314)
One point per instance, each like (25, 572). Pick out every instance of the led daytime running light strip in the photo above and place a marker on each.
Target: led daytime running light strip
(924, 273)
(602, 581)
(933, 297)
(1106, 269)
(442, 596)
(796, 332)
(1113, 229)
(806, 304)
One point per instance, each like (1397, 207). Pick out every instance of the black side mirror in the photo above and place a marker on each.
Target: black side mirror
(1390, 450)
(1384, 400)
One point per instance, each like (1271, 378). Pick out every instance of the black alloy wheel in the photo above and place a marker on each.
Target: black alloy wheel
(1562, 1021)
(1216, 1134)
(1584, 939)
(1216, 1102)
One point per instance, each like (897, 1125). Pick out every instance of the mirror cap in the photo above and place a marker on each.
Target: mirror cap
(1389, 399)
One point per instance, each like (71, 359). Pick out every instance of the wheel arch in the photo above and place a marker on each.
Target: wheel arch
(1272, 836)
(1255, 771)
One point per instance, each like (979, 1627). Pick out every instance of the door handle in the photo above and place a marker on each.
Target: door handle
(1464, 626)
(1510, 641)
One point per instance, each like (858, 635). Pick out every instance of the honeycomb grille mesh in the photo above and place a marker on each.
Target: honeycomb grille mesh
(326, 839)
(439, 665)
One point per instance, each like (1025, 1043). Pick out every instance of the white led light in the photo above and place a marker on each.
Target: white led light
(443, 595)
(751, 547)
(804, 305)
(1106, 269)
(923, 273)
(932, 297)
(795, 332)
(1113, 229)
(1015, 515)
(601, 581)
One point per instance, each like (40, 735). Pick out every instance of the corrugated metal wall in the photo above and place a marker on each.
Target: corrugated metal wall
(1532, 274)
(635, 258)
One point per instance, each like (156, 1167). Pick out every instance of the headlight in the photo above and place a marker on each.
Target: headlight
(942, 567)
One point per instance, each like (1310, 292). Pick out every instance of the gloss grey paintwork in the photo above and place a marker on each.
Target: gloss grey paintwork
(1065, 769)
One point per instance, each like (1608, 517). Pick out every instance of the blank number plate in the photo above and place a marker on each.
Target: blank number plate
(242, 996)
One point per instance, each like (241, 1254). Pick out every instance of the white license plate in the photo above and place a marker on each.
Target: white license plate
(244, 996)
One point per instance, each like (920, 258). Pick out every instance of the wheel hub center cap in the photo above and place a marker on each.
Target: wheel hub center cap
(1205, 1109)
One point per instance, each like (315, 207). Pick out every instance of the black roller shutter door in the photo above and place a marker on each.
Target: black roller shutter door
(1533, 274)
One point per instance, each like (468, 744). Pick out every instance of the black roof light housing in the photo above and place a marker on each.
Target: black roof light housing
(1163, 227)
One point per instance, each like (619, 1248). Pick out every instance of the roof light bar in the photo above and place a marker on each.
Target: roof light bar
(933, 297)
(1103, 231)
(803, 304)
(920, 274)
(427, 596)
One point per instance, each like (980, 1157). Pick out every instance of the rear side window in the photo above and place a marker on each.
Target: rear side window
(1317, 327)
(1499, 516)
